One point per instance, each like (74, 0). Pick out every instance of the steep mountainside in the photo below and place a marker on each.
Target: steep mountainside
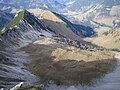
(15, 21)
(57, 25)
(56, 47)
(23, 29)
(57, 22)
(25, 21)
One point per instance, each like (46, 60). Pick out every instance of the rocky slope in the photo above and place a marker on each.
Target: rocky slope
(59, 23)
(25, 28)
(25, 21)
(66, 64)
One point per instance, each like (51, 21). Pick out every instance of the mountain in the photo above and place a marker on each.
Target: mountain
(26, 25)
(53, 5)
(20, 19)
(49, 47)
(23, 29)
(58, 23)
(85, 4)
(57, 5)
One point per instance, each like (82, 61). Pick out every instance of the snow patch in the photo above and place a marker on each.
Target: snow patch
(3, 30)
(16, 15)
(70, 3)
(45, 6)
(117, 56)
(17, 86)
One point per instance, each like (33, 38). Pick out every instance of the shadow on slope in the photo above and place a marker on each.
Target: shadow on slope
(63, 29)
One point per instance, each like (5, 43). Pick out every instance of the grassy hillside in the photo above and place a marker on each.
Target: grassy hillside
(107, 21)
(112, 40)
(14, 22)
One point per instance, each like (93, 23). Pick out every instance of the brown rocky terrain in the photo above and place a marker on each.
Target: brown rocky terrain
(66, 64)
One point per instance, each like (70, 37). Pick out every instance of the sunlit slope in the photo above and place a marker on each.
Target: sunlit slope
(111, 40)
(57, 25)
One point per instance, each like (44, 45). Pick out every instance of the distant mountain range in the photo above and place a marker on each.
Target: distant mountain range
(53, 5)
(56, 5)
(82, 4)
